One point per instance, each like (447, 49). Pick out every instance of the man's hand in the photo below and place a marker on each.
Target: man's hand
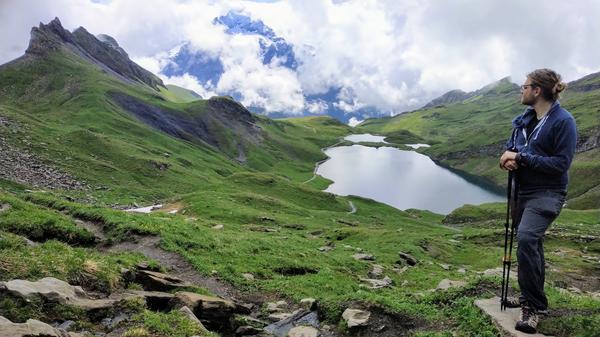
(511, 165)
(508, 161)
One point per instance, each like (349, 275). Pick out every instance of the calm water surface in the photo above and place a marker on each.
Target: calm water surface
(402, 179)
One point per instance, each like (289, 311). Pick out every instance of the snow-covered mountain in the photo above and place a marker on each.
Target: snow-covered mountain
(274, 51)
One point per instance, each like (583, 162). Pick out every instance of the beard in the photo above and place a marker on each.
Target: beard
(528, 100)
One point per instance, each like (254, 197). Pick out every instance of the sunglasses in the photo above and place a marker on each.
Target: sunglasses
(524, 86)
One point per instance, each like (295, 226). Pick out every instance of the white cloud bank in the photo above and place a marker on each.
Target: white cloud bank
(394, 55)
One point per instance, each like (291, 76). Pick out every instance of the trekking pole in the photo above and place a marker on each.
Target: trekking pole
(505, 260)
(515, 195)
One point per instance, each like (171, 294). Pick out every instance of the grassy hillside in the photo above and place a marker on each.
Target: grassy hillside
(242, 207)
(469, 135)
(179, 94)
(73, 124)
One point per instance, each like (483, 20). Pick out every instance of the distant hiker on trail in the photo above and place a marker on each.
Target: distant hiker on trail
(539, 152)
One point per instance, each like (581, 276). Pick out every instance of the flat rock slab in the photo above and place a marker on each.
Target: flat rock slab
(205, 307)
(31, 328)
(503, 320)
(303, 331)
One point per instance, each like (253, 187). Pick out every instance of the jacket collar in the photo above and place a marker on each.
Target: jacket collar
(526, 117)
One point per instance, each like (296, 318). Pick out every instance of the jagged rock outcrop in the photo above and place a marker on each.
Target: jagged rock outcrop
(105, 53)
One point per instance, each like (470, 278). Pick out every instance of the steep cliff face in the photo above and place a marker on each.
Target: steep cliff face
(104, 52)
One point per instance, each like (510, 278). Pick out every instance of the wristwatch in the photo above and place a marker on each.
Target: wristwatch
(521, 158)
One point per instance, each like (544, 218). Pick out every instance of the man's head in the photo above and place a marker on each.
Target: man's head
(541, 84)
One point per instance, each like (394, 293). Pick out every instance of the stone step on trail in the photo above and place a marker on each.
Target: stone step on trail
(504, 320)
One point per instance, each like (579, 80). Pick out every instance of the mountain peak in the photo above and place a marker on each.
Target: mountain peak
(47, 37)
(451, 96)
(237, 23)
(104, 52)
(501, 86)
(111, 42)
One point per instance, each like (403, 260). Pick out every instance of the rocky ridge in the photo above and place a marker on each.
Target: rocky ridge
(105, 53)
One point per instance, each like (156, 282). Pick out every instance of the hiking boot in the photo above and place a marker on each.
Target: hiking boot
(528, 320)
(512, 302)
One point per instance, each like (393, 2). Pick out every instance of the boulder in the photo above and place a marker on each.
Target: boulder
(4, 207)
(356, 317)
(205, 307)
(363, 257)
(54, 290)
(50, 288)
(57, 291)
(278, 306)
(153, 280)
(376, 272)
(444, 266)
(376, 284)
(303, 331)
(409, 259)
(31, 328)
(248, 276)
(308, 304)
(189, 314)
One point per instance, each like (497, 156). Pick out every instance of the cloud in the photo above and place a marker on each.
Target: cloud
(316, 107)
(189, 82)
(354, 121)
(394, 55)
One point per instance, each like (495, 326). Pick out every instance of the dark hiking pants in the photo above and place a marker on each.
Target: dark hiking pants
(534, 212)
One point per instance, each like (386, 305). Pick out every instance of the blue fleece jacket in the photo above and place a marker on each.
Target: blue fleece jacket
(546, 154)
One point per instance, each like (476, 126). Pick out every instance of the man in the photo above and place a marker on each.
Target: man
(540, 152)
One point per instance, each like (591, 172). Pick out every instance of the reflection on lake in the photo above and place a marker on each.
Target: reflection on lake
(403, 179)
